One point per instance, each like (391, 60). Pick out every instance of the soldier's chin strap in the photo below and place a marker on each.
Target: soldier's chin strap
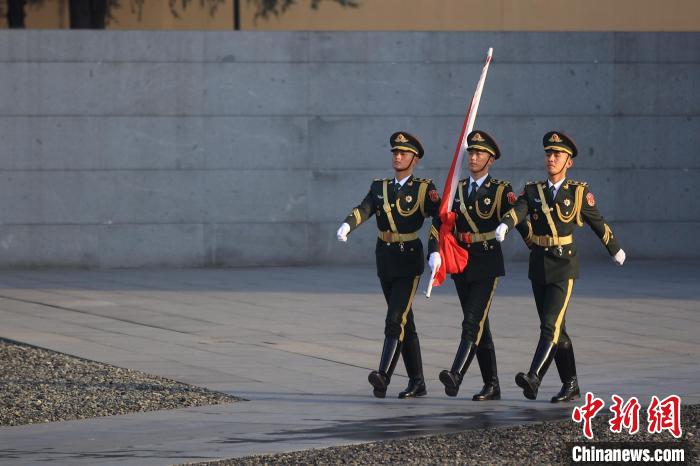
(413, 157)
(568, 157)
(484, 166)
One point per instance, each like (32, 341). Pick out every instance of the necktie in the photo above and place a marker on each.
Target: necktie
(472, 192)
(551, 194)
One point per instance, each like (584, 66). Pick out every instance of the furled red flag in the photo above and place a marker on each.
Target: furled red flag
(455, 258)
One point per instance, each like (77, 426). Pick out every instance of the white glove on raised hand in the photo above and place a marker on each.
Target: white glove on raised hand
(434, 261)
(501, 231)
(342, 233)
(619, 258)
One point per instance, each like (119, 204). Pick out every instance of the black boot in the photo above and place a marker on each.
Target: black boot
(566, 365)
(410, 351)
(530, 382)
(452, 379)
(486, 355)
(390, 355)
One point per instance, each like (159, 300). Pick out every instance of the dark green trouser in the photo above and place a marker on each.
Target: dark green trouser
(552, 300)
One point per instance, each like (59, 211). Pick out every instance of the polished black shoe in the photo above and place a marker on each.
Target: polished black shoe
(566, 365)
(416, 388)
(451, 382)
(380, 382)
(380, 378)
(452, 379)
(486, 356)
(491, 391)
(530, 383)
(569, 392)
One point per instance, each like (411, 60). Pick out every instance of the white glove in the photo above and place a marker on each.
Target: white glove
(619, 258)
(501, 231)
(342, 233)
(434, 261)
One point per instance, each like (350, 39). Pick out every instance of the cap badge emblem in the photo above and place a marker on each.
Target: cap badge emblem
(555, 138)
(400, 138)
(478, 138)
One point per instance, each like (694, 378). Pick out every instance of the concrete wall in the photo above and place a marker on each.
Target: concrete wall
(125, 149)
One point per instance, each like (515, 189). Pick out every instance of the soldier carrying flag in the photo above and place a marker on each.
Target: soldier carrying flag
(479, 205)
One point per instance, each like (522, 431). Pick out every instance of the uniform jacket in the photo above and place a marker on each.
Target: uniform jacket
(486, 209)
(416, 200)
(573, 205)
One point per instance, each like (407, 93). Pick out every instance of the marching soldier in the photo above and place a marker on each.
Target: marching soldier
(401, 204)
(556, 207)
(479, 203)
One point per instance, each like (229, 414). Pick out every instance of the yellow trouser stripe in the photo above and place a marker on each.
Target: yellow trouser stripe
(560, 318)
(404, 316)
(486, 313)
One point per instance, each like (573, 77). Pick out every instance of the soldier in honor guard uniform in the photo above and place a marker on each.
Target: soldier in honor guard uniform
(401, 204)
(556, 207)
(480, 202)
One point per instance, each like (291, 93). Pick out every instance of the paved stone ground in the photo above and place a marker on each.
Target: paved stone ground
(298, 343)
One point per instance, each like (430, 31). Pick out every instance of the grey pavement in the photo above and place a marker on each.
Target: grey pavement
(298, 343)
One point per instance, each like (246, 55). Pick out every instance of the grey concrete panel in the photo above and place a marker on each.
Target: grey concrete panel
(236, 245)
(654, 194)
(151, 245)
(248, 46)
(637, 142)
(49, 246)
(153, 46)
(152, 89)
(125, 196)
(445, 89)
(661, 47)
(651, 89)
(646, 239)
(41, 197)
(204, 196)
(148, 143)
(460, 47)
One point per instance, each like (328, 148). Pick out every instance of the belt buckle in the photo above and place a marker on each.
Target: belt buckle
(486, 245)
(560, 249)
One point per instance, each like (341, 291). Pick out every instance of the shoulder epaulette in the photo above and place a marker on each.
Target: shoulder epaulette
(531, 182)
(422, 180)
(497, 181)
(382, 179)
(579, 183)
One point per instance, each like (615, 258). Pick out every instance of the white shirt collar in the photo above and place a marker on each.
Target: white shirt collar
(401, 182)
(479, 182)
(557, 185)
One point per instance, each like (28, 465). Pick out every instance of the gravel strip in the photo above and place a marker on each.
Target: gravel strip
(38, 385)
(542, 443)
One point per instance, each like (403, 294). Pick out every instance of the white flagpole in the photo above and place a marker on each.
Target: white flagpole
(459, 156)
